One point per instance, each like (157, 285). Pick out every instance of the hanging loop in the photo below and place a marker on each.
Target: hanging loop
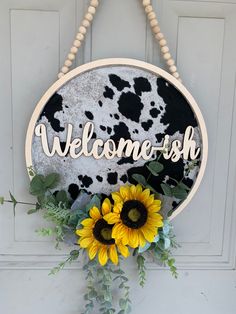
(151, 15)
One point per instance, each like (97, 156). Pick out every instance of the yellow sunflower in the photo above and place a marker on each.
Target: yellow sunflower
(135, 216)
(96, 236)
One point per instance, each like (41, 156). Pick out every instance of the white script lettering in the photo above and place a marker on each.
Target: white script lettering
(124, 148)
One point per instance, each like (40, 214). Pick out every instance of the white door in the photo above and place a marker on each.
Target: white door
(35, 36)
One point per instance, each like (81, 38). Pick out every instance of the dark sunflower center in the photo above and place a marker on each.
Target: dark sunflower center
(134, 214)
(102, 232)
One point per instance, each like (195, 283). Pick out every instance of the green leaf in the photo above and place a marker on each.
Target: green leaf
(37, 187)
(74, 254)
(179, 192)
(170, 212)
(1, 200)
(61, 197)
(45, 232)
(184, 186)
(141, 270)
(14, 201)
(41, 199)
(155, 167)
(52, 180)
(95, 201)
(32, 211)
(123, 304)
(140, 179)
(166, 189)
(148, 186)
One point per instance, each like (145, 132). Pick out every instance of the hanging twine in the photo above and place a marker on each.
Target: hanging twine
(88, 18)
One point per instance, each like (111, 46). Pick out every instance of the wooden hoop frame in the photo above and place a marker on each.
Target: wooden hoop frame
(125, 62)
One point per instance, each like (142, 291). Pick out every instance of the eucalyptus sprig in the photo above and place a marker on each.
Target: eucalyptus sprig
(74, 255)
(141, 270)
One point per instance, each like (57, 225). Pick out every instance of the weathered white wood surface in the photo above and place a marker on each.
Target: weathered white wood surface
(35, 36)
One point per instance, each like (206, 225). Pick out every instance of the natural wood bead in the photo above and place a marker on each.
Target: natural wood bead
(153, 22)
(167, 56)
(162, 42)
(146, 2)
(74, 50)
(71, 56)
(86, 23)
(77, 43)
(68, 63)
(65, 69)
(170, 62)
(82, 30)
(165, 49)
(176, 75)
(80, 36)
(60, 75)
(159, 36)
(156, 29)
(94, 3)
(173, 69)
(151, 15)
(91, 10)
(89, 17)
(148, 9)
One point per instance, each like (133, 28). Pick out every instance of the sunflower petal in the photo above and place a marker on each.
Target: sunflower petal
(95, 213)
(149, 201)
(155, 219)
(102, 255)
(124, 192)
(125, 239)
(117, 208)
(133, 191)
(106, 206)
(124, 251)
(88, 222)
(92, 251)
(142, 241)
(85, 242)
(113, 254)
(119, 231)
(154, 208)
(112, 218)
(85, 232)
(144, 195)
(133, 238)
(148, 234)
(116, 197)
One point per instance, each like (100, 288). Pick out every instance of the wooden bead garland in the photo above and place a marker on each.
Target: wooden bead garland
(153, 22)
(148, 9)
(86, 23)
(68, 63)
(79, 37)
(74, 50)
(91, 10)
(89, 17)
(94, 3)
(146, 2)
(151, 15)
(156, 29)
(77, 43)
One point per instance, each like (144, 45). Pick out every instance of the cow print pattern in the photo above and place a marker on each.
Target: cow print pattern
(123, 102)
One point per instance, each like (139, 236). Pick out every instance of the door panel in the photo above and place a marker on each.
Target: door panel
(35, 38)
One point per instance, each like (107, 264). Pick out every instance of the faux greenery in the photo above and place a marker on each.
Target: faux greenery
(68, 216)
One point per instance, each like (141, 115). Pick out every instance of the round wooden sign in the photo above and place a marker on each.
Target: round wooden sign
(120, 121)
